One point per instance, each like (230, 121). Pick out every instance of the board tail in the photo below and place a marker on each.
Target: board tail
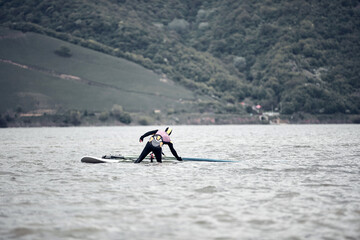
(205, 160)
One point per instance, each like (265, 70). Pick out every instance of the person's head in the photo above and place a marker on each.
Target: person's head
(168, 130)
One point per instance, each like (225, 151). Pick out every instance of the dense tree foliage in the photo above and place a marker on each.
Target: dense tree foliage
(296, 55)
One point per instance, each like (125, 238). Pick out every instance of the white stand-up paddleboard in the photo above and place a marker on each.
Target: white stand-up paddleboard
(119, 158)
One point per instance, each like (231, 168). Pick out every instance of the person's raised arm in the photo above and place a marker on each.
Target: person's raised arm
(147, 134)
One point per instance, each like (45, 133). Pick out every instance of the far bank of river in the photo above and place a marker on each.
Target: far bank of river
(77, 119)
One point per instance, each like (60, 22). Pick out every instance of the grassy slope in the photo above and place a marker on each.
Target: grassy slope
(134, 87)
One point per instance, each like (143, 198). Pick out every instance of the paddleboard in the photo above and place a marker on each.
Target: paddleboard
(119, 158)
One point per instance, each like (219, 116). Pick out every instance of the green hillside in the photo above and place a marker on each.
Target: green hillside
(294, 56)
(34, 77)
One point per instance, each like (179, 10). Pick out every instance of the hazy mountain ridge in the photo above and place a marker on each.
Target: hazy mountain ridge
(295, 56)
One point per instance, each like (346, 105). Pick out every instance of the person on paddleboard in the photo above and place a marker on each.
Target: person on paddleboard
(155, 143)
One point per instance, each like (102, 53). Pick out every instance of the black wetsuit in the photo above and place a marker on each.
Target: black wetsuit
(157, 150)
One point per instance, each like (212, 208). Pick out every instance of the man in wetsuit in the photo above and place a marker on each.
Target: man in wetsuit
(155, 143)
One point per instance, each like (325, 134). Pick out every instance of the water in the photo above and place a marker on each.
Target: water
(291, 182)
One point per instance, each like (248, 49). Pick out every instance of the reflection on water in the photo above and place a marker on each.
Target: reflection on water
(290, 182)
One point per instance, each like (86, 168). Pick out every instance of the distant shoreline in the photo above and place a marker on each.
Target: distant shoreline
(48, 120)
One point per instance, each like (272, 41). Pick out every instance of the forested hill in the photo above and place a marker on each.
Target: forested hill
(293, 55)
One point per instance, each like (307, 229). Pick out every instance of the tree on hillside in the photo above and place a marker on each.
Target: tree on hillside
(63, 52)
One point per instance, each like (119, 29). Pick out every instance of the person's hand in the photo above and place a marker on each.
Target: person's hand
(141, 139)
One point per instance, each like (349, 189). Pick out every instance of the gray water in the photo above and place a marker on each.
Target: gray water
(290, 182)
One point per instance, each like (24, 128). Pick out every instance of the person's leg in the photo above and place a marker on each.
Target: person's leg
(144, 153)
(157, 153)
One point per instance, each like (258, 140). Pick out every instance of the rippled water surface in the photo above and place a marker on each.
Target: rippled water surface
(290, 182)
